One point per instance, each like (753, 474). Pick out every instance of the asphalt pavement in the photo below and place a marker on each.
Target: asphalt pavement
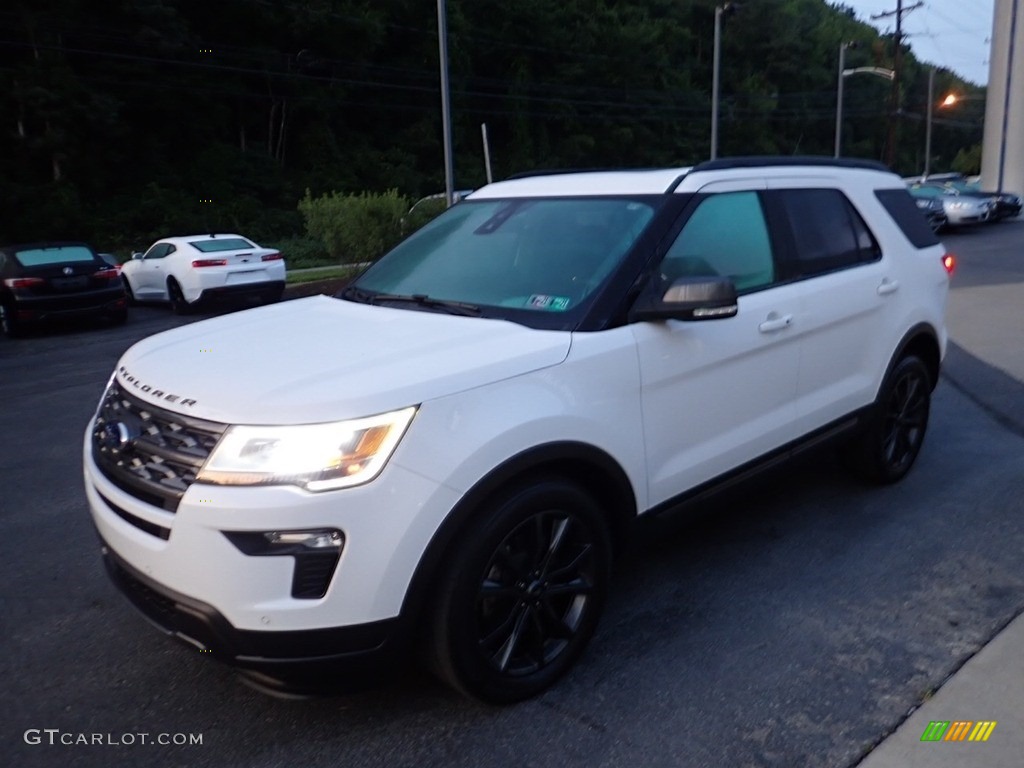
(975, 719)
(802, 623)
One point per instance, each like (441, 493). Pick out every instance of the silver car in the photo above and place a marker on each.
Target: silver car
(960, 209)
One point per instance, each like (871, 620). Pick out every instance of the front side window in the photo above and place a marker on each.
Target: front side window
(535, 255)
(158, 251)
(726, 236)
(829, 234)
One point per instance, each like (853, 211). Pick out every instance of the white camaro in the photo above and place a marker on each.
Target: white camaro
(188, 270)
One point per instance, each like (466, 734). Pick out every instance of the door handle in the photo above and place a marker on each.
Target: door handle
(775, 322)
(888, 286)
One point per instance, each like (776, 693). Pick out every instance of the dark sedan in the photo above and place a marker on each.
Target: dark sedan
(49, 281)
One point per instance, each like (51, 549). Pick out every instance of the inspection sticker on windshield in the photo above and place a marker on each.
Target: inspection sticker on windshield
(554, 303)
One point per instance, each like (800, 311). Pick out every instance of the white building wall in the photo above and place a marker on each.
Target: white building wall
(1003, 150)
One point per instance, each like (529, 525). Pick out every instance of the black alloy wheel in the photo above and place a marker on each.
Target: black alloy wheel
(524, 593)
(8, 322)
(894, 437)
(178, 303)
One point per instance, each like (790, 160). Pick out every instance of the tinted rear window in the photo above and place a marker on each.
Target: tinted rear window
(41, 257)
(908, 217)
(225, 244)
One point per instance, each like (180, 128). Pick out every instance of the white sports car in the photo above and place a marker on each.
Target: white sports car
(186, 271)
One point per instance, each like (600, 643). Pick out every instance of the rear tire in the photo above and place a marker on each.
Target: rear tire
(523, 592)
(8, 322)
(887, 449)
(177, 298)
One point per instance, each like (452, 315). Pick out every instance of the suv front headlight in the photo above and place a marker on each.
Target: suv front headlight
(317, 457)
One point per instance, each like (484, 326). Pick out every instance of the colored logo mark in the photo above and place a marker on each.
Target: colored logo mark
(958, 730)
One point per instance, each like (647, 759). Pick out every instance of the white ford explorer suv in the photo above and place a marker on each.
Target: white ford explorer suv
(448, 454)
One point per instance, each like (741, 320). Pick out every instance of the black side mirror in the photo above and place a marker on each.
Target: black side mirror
(136, 255)
(688, 298)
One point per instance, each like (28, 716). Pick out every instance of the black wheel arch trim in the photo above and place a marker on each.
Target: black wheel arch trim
(924, 340)
(614, 494)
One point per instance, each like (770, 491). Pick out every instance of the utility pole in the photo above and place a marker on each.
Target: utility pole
(897, 56)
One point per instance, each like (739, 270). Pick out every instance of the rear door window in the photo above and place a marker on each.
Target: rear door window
(827, 231)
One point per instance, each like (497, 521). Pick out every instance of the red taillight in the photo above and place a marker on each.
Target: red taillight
(210, 263)
(949, 262)
(110, 273)
(272, 257)
(23, 282)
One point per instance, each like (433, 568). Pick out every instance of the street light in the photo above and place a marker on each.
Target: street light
(716, 62)
(928, 122)
(888, 74)
(839, 93)
(446, 110)
(950, 100)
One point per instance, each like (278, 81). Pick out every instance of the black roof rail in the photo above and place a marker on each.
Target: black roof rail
(761, 161)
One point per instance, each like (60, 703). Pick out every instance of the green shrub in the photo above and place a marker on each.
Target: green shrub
(422, 212)
(355, 228)
(302, 252)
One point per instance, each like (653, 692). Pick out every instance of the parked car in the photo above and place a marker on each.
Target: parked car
(112, 261)
(443, 460)
(41, 282)
(934, 210)
(187, 271)
(1007, 204)
(960, 209)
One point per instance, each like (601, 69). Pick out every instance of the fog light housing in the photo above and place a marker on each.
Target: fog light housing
(316, 552)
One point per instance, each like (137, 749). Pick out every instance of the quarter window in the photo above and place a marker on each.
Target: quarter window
(726, 236)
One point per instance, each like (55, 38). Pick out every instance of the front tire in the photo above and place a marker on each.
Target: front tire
(889, 446)
(129, 294)
(523, 593)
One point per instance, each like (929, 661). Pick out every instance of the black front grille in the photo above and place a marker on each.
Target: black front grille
(146, 451)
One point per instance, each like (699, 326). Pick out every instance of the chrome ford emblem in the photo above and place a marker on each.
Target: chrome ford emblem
(114, 435)
(68, 271)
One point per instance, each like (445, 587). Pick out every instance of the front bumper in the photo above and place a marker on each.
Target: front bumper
(304, 661)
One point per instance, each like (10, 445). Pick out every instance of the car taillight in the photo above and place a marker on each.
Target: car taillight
(272, 257)
(106, 274)
(210, 263)
(23, 282)
(949, 262)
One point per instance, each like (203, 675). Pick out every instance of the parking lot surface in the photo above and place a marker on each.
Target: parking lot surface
(795, 623)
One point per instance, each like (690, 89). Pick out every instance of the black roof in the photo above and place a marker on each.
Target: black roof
(760, 161)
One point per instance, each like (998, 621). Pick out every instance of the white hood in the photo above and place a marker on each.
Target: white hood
(321, 359)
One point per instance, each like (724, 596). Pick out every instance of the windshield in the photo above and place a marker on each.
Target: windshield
(544, 256)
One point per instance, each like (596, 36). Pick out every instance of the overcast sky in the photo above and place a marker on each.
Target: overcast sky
(953, 34)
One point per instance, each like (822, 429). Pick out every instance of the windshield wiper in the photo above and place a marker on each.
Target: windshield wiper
(355, 294)
(422, 300)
